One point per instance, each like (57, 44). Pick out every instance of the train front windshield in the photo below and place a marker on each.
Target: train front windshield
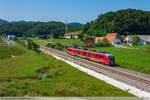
(112, 59)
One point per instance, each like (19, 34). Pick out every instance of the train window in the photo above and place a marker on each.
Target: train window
(111, 57)
(97, 56)
(101, 57)
(78, 52)
(89, 54)
(83, 53)
(94, 55)
(70, 50)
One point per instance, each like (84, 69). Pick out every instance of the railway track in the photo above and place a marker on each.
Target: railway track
(95, 66)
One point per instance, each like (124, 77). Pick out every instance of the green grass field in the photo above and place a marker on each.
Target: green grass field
(59, 78)
(2, 42)
(6, 52)
(134, 59)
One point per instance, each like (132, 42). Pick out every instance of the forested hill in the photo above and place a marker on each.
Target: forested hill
(74, 26)
(3, 22)
(128, 21)
(41, 29)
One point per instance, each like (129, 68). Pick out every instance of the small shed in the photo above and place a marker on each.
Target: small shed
(89, 41)
(97, 39)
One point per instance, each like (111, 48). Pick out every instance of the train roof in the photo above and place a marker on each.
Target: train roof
(96, 52)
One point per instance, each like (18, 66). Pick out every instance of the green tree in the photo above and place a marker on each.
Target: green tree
(126, 22)
(136, 40)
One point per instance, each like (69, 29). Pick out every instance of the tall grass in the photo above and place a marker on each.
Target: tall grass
(61, 79)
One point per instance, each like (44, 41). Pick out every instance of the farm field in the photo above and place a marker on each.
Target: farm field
(135, 59)
(34, 74)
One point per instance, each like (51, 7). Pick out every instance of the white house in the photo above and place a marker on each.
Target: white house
(72, 35)
(10, 37)
(144, 39)
(129, 39)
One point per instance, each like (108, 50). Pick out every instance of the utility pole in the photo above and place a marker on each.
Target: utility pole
(82, 28)
(66, 27)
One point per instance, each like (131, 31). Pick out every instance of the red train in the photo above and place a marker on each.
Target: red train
(103, 58)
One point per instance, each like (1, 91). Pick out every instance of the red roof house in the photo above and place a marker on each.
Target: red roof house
(111, 37)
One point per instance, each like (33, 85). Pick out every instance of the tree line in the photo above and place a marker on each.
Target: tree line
(40, 29)
(126, 22)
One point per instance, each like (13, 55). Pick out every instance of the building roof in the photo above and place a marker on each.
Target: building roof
(128, 38)
(74, 33)
(144, 37)
(111, 37)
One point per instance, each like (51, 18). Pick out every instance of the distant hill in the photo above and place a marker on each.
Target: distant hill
(41, 29)
(3, 21)
(75, 27)
(75, 23)
(126, 21)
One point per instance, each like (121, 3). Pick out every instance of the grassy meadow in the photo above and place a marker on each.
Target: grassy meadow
(133, 58)
(2, 41)
(28, 73)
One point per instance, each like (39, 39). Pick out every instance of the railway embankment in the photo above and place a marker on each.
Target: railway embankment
(137, 84)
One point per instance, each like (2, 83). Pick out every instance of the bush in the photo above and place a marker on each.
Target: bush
(32, 45)
(148, 48)
(22, 42)
(36, 47)
(136, 40)
(57, 46)
(65, 90)
(48, 45)
(103, 43)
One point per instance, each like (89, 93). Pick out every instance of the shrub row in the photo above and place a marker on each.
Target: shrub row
(57, 46)
(30, 44)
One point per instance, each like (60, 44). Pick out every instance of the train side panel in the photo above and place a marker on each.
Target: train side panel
(89, 55)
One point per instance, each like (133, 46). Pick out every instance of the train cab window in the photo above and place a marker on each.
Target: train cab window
(111, 58)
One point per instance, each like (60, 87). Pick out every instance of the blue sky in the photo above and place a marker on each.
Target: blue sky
(64, 10)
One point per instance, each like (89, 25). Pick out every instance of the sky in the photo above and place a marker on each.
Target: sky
(64, 10)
